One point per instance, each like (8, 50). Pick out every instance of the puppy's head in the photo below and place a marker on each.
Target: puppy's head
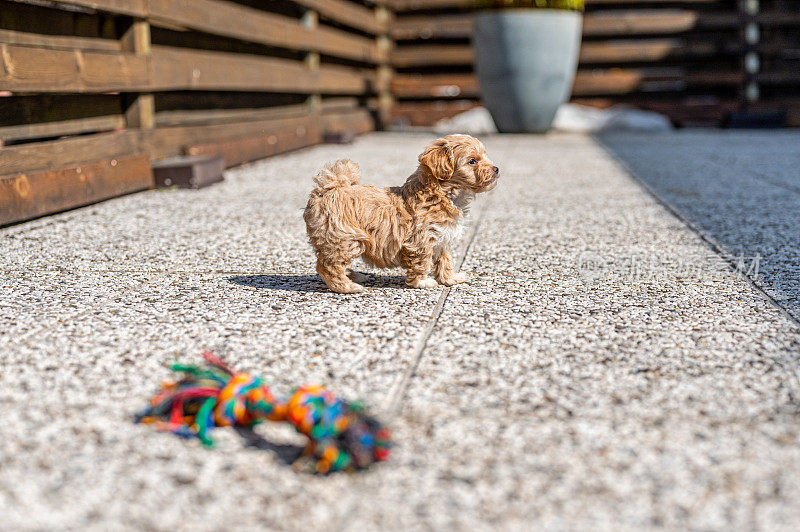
(461, 162)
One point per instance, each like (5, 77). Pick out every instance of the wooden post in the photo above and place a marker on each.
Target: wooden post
(384, 71)
(751, 61)
(141, 113)
(310, 20)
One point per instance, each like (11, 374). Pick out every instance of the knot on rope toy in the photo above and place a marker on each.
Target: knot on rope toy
(342, 436)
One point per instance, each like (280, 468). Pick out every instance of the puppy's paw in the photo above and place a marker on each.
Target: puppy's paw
(357, 277)
(425, 282)
(351, 288)
(455, 279)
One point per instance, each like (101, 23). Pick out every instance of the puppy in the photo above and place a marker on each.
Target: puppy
(413, 226)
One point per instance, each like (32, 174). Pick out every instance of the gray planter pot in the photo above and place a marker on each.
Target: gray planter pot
(525, 61)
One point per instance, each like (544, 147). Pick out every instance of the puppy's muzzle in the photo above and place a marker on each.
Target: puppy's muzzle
(496, 177)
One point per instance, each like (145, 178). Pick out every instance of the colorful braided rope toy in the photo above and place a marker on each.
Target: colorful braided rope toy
(342, 437)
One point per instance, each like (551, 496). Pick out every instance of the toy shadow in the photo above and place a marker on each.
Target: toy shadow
(286, 453)
(310, 283)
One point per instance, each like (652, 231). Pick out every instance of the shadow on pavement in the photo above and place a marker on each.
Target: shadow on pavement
(740, 189)
(310, 283)
(286, 453)
(292, 283)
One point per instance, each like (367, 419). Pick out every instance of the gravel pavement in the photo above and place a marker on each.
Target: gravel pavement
(739, 189)
(604, 367)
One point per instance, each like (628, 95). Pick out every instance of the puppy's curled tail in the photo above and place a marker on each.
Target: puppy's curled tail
(342, 173)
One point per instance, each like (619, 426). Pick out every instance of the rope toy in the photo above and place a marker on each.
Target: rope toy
(342, 437)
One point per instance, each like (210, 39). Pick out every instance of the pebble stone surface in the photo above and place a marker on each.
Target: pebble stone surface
(603, 368)
(740, 189)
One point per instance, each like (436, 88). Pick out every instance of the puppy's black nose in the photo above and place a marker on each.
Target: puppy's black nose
(496, 170)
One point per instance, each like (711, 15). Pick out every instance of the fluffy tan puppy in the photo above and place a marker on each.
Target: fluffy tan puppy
(413, 226)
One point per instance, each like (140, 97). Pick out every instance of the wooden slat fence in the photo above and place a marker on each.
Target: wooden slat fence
(91, 92)
(686, 58)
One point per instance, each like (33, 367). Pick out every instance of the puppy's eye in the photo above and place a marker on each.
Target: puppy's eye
(472, 161)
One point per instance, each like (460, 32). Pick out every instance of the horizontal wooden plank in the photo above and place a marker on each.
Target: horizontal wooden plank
(41, 70)
(170, 141)
(136, 8)
(435, 86)
(349, 14)
(356, 121)
(30, 69)
(217, 116)
(43, 156)
(587, 82)
(265, 136)
(245, 23)
(419, 5)
(626, 81)
(62, 127)
(685, 111)
(615, 81)
(431, 55)
(598, 23)
(281, 136)
(340, 103)
(68, 42)
(617, 51)
(220, 116)
(28, 195)
(788, 76)
(458, 25)
(422, 113)
(346, 12)
(639, 23)
(184, 69)
(595, 24)
(644, 50)
(246, 149)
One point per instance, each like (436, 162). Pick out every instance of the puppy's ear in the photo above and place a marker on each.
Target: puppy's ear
(440, 159)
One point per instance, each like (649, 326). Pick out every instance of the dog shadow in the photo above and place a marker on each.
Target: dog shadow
(310, 283)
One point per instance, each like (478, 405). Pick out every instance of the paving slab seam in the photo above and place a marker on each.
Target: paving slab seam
(397, 393)
(789, 365)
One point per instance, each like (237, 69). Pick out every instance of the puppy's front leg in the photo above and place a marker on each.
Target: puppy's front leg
(419, 264)
(443, 270)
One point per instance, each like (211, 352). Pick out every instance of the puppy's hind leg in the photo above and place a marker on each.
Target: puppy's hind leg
(334, 268)
(335, 276)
